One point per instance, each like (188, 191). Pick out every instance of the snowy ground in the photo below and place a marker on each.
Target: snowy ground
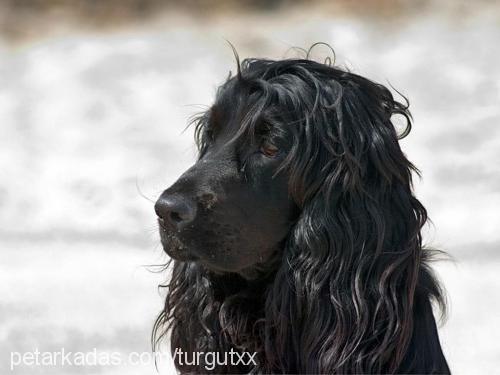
(91, 128)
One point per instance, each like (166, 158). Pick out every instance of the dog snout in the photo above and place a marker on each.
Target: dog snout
(175, 210)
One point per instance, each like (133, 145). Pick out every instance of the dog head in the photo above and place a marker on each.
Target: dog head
(283, 142)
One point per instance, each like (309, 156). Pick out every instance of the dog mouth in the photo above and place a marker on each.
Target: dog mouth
(173, 245)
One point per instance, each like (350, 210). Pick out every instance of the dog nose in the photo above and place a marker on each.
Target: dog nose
(175, 210)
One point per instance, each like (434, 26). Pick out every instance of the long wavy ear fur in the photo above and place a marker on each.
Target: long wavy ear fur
(343, 299)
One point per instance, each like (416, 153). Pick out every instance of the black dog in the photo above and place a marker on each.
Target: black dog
(296, 235)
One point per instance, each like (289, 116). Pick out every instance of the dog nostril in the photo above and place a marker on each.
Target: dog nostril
(175, 217)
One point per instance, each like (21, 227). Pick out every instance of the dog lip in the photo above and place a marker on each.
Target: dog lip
(162, 224)
(172, 245)
(177, 252)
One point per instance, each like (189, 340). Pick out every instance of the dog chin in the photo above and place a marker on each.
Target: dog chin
(249, 273)
(176, 250)
(259, 270)
(180, 256)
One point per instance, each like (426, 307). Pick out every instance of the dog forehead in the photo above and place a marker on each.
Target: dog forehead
(226, 119)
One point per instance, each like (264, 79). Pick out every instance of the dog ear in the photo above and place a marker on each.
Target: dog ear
(344, 292)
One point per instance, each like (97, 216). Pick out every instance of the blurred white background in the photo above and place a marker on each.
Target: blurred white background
(93, 103)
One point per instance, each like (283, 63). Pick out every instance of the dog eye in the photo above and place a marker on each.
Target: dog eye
(269, 149)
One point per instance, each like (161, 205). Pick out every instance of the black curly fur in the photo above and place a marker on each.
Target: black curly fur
(350, 290)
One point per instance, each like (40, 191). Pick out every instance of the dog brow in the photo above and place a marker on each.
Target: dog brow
(263, 125)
